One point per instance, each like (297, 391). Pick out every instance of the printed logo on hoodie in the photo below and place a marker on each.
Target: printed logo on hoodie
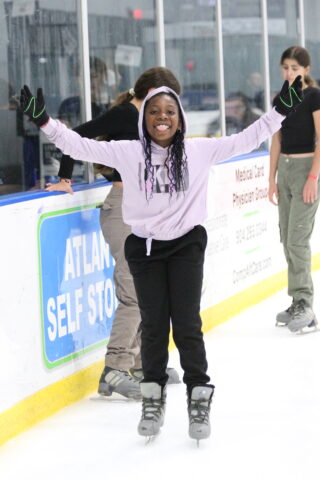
(161, 179)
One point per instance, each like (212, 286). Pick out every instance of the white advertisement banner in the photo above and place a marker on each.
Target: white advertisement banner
(243, 236)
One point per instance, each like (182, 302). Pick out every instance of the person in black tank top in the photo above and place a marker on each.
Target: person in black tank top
(123, 369)
(294, 187)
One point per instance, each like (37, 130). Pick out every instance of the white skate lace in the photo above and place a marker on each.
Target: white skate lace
(129, 377)
(298, 307)
(290, 310)
(199, 411)
(151, 408)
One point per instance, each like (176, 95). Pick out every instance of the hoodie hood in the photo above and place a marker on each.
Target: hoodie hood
(151, 94)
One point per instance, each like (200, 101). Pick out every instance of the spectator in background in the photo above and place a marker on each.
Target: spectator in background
(70, 109)
(11, 167)
(239, 115)
(256, 87)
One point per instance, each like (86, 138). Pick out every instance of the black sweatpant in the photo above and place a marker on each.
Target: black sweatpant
(168, 286)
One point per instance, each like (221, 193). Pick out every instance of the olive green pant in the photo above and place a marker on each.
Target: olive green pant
(296, 221)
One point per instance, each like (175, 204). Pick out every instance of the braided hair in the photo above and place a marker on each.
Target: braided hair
(175, 163)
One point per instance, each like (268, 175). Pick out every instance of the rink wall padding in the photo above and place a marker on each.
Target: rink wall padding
(57, 294)
(48, 401)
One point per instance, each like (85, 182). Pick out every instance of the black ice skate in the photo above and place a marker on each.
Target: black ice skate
(120, 382)
(199, 402)
(153, 409)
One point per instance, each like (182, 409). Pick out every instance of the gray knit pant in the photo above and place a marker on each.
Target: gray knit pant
(123, 349)
(296, 221)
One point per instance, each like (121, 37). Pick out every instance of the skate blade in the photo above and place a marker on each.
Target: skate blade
(115, 396)
(311, 328)
(307, 330)
(281, 325)
(109, 391)
(150, 439)
(199, 438)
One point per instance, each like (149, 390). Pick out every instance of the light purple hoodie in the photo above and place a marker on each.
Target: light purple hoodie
(163, 217)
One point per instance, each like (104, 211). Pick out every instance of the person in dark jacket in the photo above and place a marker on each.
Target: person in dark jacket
(123, 370)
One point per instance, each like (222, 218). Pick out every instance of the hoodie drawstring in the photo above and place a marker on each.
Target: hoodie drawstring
(148, 245)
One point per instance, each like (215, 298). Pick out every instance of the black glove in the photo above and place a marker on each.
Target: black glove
(33, 107)
(289, 97)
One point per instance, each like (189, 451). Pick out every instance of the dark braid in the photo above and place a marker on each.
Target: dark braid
(149, 171)
(176, 164)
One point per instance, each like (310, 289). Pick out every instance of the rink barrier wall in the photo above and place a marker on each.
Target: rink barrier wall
(50, 400)
(52, 358)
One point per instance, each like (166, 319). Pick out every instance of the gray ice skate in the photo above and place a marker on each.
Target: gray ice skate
(120, 382)
(283, 318)
(172, 373)
(153, 409)
(199, 403)
(303, 318)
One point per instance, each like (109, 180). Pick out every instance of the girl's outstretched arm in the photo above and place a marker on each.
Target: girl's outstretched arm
(251, 138)
(69, 142)
(85, 149)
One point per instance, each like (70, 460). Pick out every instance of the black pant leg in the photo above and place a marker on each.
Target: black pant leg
(185, 270)
(150, 280)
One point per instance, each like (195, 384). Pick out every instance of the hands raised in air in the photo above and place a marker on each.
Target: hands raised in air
(290, 97)
(34, 107)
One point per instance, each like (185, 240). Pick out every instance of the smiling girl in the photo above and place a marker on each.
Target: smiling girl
(165, 178)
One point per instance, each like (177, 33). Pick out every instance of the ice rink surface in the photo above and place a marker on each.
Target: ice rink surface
(265, 417)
